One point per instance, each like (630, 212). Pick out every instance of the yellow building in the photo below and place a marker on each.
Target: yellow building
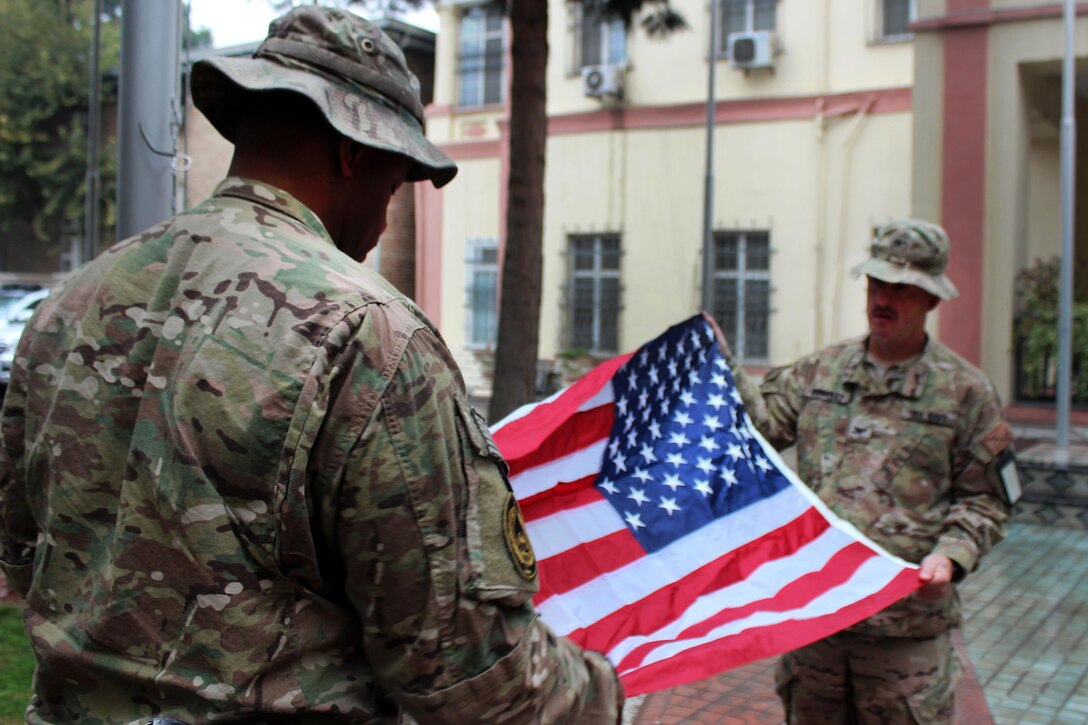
(833, 117)
(813, 149)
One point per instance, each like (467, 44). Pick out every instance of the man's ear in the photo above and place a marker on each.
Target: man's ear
(347, 152)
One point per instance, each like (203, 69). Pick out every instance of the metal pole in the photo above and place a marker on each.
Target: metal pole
(1065, 288)
(149, 71)
(94, 113)
(708, 197)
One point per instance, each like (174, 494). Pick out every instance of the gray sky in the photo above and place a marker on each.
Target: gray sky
(233, 22)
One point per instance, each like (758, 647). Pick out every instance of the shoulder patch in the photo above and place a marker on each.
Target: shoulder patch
(998, 439)
(517, 540)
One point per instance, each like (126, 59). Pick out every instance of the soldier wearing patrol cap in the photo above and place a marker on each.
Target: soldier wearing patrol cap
(240, 479)
(904, 439)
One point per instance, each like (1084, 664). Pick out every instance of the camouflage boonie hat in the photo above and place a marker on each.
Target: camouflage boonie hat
(910, 252)
(347, 66)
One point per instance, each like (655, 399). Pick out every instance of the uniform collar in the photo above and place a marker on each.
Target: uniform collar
(909, 382)
(273, 198)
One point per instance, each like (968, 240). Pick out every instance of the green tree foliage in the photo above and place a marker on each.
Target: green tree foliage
(195, 37)
(45, 52)
(1037, 332)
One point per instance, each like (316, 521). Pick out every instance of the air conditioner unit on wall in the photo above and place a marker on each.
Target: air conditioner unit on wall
(603, 81)
(752, 49)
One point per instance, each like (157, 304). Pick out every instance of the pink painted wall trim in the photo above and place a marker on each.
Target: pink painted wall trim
(429, 250)
(469, 150)
(690, 115)
(751, 110)
(963, 17)
(963, 184)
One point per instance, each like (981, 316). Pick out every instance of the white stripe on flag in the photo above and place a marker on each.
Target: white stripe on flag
(604, 396)
(572, 467)
(764, 583)
(870, 577)
(565, 530)
(600, 597)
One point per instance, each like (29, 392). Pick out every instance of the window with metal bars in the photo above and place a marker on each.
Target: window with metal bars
(895, 18)
(744, 16)
(742, 291)
(480, 55)
(482, 291)
(597, 40)
(593, 293)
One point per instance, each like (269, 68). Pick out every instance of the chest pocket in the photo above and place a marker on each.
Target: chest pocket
(824, 414)
(917, 470)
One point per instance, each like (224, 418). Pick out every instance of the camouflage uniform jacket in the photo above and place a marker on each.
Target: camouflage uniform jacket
(910, 460)
(241, 481)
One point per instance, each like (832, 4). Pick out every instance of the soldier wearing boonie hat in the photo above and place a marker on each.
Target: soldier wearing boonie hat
(352, 71)
(271, 471)
(906, 441)
(910, 252)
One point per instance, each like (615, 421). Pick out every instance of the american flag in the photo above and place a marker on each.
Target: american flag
(669, 535)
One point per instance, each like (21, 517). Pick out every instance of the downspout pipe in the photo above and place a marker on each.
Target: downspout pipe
(844, 205)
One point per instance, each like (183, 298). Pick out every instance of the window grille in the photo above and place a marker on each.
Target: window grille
(594, 293)
(895, 18)
(598, 40)
(482, 293)
(480, 55)
(742, 291)
(745, 16)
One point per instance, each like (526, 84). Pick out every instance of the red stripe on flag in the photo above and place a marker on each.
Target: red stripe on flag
(660, 608)
(836, 570)
(520, 437)
(744, 647)
(582, 430)
(564, 496)
(572, 568)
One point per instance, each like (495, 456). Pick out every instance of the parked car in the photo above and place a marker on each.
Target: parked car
(13, 318)
(11, 294)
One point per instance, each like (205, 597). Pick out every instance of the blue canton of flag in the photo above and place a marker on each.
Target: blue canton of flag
(681, 452)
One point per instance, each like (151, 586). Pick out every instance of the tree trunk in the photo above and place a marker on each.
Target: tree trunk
(519, 310)
(398, 242)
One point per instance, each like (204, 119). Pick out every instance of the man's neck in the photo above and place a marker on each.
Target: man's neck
(890, 353)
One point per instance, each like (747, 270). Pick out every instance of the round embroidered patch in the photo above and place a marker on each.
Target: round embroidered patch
(517, 540)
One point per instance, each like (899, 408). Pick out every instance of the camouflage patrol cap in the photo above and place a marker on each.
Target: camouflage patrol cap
(352, 71)
(910, 252)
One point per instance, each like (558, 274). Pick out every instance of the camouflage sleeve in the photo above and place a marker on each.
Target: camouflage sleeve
(773, 406)
(18, 532)
(976, 518)
(428, 533)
